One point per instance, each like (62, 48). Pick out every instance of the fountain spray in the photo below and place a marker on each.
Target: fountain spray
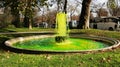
(61, 27)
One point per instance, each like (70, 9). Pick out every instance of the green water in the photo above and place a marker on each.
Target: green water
(68, 45)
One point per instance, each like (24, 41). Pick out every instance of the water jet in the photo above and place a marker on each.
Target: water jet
(61, 27)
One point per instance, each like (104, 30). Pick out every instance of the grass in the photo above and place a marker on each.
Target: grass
(100, 59)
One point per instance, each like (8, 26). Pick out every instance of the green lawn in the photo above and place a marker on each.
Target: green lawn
(100, 59)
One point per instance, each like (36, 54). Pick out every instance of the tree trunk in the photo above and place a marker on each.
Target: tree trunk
(28, 15)
(16, 21)
(26, 20)
(65, 7)
(16, 16)
(30, 24)
(85, 15)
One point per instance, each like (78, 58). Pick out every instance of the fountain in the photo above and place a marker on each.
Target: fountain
(62, 42)
(61, 27)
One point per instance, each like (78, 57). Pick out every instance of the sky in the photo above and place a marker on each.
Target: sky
(97, 1)
(101, 1)
(75, 2)
(94, 1)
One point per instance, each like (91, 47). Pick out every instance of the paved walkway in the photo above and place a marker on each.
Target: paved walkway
(26, 32)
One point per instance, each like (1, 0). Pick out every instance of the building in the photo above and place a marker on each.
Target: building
(108, 23)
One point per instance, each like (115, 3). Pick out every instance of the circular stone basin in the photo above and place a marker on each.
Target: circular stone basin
(74, 44)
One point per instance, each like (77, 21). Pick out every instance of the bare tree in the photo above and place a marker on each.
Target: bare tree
(113, 6)
(73, 8)
(96, 8)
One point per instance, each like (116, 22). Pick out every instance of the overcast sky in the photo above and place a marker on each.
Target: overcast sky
(74, 3)
(101, 1)
(97, 1)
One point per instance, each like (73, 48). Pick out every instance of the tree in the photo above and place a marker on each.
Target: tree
(65, 6)
(28, 11)
(73, 9)
(5, 18)
(61, 5)
(85, 14)
(113, 7)
(1, 4)
(14, 5)
(24, 7)
(118, 12)
(97, 8)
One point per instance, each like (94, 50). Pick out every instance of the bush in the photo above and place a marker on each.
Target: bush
(11, 26)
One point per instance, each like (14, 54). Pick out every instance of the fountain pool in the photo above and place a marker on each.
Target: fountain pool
(46, 43)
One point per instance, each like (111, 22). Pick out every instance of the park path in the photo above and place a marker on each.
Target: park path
(26, 32)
